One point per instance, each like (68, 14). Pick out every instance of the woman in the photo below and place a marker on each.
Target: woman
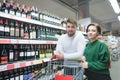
(96, 59)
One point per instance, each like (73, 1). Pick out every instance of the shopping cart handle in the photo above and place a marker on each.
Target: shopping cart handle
(53, 57)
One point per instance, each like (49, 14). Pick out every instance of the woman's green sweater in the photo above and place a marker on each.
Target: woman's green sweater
(98, 57)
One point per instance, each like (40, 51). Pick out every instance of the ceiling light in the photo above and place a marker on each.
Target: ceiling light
(119, 18)
(115, 6)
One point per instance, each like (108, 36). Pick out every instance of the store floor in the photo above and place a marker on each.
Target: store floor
(115, 70)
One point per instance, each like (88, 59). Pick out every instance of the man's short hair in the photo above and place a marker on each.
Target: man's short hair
(72, 21)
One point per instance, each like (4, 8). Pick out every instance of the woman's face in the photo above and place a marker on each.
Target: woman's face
(92, 32)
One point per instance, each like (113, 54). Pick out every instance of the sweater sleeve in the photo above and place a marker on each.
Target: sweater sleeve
(103, 60)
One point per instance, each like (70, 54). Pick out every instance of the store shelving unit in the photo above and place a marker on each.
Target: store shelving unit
(20, 64)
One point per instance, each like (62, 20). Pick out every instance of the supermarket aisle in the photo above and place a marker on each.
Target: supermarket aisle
(115, 71)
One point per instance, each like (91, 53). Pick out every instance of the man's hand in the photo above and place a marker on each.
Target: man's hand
(60, 55)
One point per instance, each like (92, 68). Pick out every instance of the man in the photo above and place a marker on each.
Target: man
(70, 45)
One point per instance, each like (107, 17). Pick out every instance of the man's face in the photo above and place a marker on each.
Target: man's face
(71, 29)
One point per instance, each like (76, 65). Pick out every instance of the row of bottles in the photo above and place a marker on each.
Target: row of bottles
(16, 29)
(24, 73)
(11, 53)
(30, 12)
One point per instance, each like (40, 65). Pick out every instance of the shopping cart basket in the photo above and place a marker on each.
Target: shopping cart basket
(56, 70)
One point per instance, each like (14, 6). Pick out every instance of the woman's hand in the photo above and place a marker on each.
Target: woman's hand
(84, 62)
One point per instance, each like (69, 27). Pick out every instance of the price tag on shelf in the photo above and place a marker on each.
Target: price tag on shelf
(3, 68)
(22, 64)
(49, 42)
(14, 41)
(24, 42)
(16, 65)
(5, 41)
(39, 61)
(10, 66)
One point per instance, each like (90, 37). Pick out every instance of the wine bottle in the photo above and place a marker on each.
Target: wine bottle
(34, 32)
(6, 75)
(11, 75)
(21, 74)
(7, 8)
(1, 28)
(7, 29)
(21, 30)
(11, 53)
(23, 9)
(4, 56)
(21, 53)
(16, 74)
(28, 52)
(18, 10)
(1, 76)
(37, 53)
(12, 6)
(17, 29)
(28, 14)
(30, 32)
(12, 28)
(26, 34)
(16, 52)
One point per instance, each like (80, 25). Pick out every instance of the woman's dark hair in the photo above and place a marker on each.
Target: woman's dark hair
(98, 27)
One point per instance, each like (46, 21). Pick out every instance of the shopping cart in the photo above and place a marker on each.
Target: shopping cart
(56, 70)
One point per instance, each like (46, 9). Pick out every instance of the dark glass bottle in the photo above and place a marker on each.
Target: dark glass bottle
(6, 75)
(11, 75)
(25, 74)
(23, 14)
(26, 34)
(16, 52)
(28, 52)
(11, 53)
(1, 76)
(7, 8)
(4, 56)
(17, 29)
(21, 30)
(16, 74)
(21, 74)
(12, 6)
(18, 10)
(21, 53)
(1, 28)
(28, 13)
(12, 28)
(3, 6)
(30, 32)
(37, 52)
(6, 29)
(34, 32)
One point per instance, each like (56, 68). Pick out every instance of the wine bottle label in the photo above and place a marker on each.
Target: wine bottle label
(17, 78)
(11, 31)
(17, 32)
(12, 78)
(21, 77)
(12, 12)
(28, 53)
(23, 15)
(34, 34)
(11, 55)
(22, 32)
(7, 29)
(6, 10)
(18, 14)
(1, 28)
(21, 54)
